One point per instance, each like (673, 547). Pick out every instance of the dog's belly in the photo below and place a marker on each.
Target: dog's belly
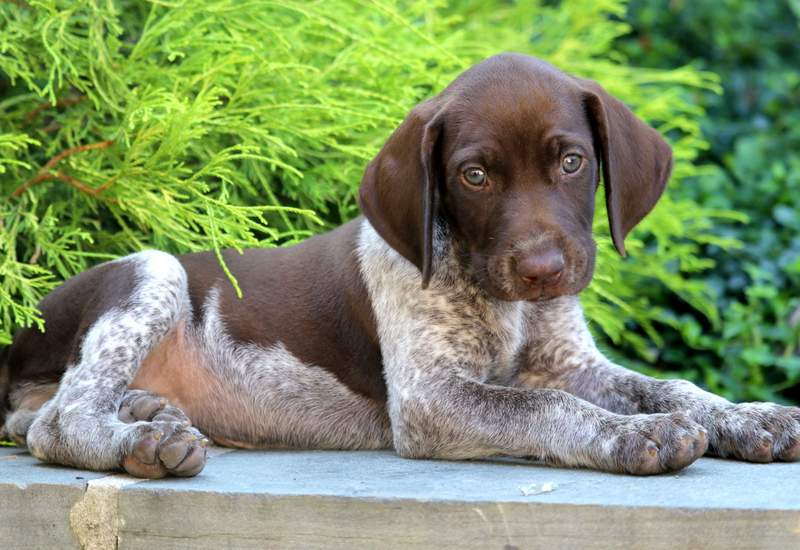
(248, 396)
(176, 370)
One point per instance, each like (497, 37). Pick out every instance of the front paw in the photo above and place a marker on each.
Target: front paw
(652, 444)
(756, 432)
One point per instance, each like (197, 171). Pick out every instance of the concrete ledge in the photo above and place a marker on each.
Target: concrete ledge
(308, 499)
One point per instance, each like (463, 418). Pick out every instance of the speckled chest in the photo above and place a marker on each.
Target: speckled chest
(452, 321)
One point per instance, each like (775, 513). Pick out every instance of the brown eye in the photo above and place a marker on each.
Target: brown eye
(571, 163)
(475, 176)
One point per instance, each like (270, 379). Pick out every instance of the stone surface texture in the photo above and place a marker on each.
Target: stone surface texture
(315, 499)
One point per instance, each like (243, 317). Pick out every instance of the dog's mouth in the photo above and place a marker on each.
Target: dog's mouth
(509, 290)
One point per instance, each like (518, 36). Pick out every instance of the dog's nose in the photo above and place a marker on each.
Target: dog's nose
(540, 269)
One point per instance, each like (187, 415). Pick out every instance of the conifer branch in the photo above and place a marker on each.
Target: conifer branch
(66, 102)
(45, 174)
(19, 3)
(66, 178)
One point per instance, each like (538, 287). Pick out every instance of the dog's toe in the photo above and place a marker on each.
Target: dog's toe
(172, 414)
(140, 405)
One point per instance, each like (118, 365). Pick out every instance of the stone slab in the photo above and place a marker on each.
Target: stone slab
(35, 500)
(709, 483)
(317, 499)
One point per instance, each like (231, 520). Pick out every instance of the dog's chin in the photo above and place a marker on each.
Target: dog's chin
(511, 291)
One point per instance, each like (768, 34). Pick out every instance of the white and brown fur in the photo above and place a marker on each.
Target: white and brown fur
(439, 325)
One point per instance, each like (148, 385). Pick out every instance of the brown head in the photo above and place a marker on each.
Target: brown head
(509, 158)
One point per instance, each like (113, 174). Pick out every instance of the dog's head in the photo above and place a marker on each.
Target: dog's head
(509, 157)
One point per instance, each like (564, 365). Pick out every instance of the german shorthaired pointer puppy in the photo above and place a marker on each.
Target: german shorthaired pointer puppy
(444, 323)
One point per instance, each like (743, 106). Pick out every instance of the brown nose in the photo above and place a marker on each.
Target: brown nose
(541, 269)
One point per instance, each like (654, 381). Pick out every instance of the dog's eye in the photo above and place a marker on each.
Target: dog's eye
(475, 176)
(571, 163)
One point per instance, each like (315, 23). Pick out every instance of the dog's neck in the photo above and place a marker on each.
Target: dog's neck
(453, 308)
(451, 270)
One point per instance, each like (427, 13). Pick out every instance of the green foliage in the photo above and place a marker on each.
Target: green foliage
(216, 123)
(754, 128)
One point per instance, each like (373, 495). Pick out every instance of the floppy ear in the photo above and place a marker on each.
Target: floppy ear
(636, 161)
(398, 193)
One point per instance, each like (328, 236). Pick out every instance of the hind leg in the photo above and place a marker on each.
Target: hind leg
(136, 406)
(80, 425)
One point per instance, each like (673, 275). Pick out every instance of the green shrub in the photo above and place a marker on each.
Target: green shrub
(209, 124)
(754, 133)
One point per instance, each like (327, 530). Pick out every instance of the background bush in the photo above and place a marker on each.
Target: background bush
(754, 132)
(211, 124)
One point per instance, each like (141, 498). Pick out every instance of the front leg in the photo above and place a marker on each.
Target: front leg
(444, 414)
(563, 355)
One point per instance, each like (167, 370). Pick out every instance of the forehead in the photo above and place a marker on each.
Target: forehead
(513, 102)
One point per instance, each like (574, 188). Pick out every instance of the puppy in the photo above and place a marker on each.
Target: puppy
(444, 323)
